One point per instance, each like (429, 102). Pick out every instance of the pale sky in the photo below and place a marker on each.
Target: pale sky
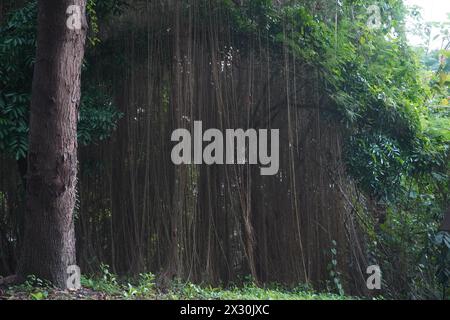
(433, 11)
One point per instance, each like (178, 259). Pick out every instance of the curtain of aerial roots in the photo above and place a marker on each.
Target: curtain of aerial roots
(175, 63)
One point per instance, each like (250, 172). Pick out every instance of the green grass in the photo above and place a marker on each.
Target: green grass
(145, 288)
(107, 286)
(247, 292)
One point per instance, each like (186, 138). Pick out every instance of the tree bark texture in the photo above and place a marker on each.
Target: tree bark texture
(49, 239)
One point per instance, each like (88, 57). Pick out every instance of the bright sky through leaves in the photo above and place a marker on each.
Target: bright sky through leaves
(432, 11)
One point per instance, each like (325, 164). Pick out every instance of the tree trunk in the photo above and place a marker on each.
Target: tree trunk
(49, 239)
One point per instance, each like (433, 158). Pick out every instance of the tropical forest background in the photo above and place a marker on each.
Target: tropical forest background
(364, 117)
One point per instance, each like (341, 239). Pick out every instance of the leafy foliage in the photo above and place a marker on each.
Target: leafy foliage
(17, 49)
(98, 116)
(392, 100)
(395, 112)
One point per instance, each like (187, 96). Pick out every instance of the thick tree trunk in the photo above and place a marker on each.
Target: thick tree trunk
(49, 239)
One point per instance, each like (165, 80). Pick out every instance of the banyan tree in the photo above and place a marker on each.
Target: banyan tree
(169, 63)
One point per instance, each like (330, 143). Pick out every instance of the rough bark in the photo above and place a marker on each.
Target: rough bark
(49, 239)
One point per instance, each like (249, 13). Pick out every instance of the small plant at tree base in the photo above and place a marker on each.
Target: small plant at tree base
(335, 275)
(144, 288)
